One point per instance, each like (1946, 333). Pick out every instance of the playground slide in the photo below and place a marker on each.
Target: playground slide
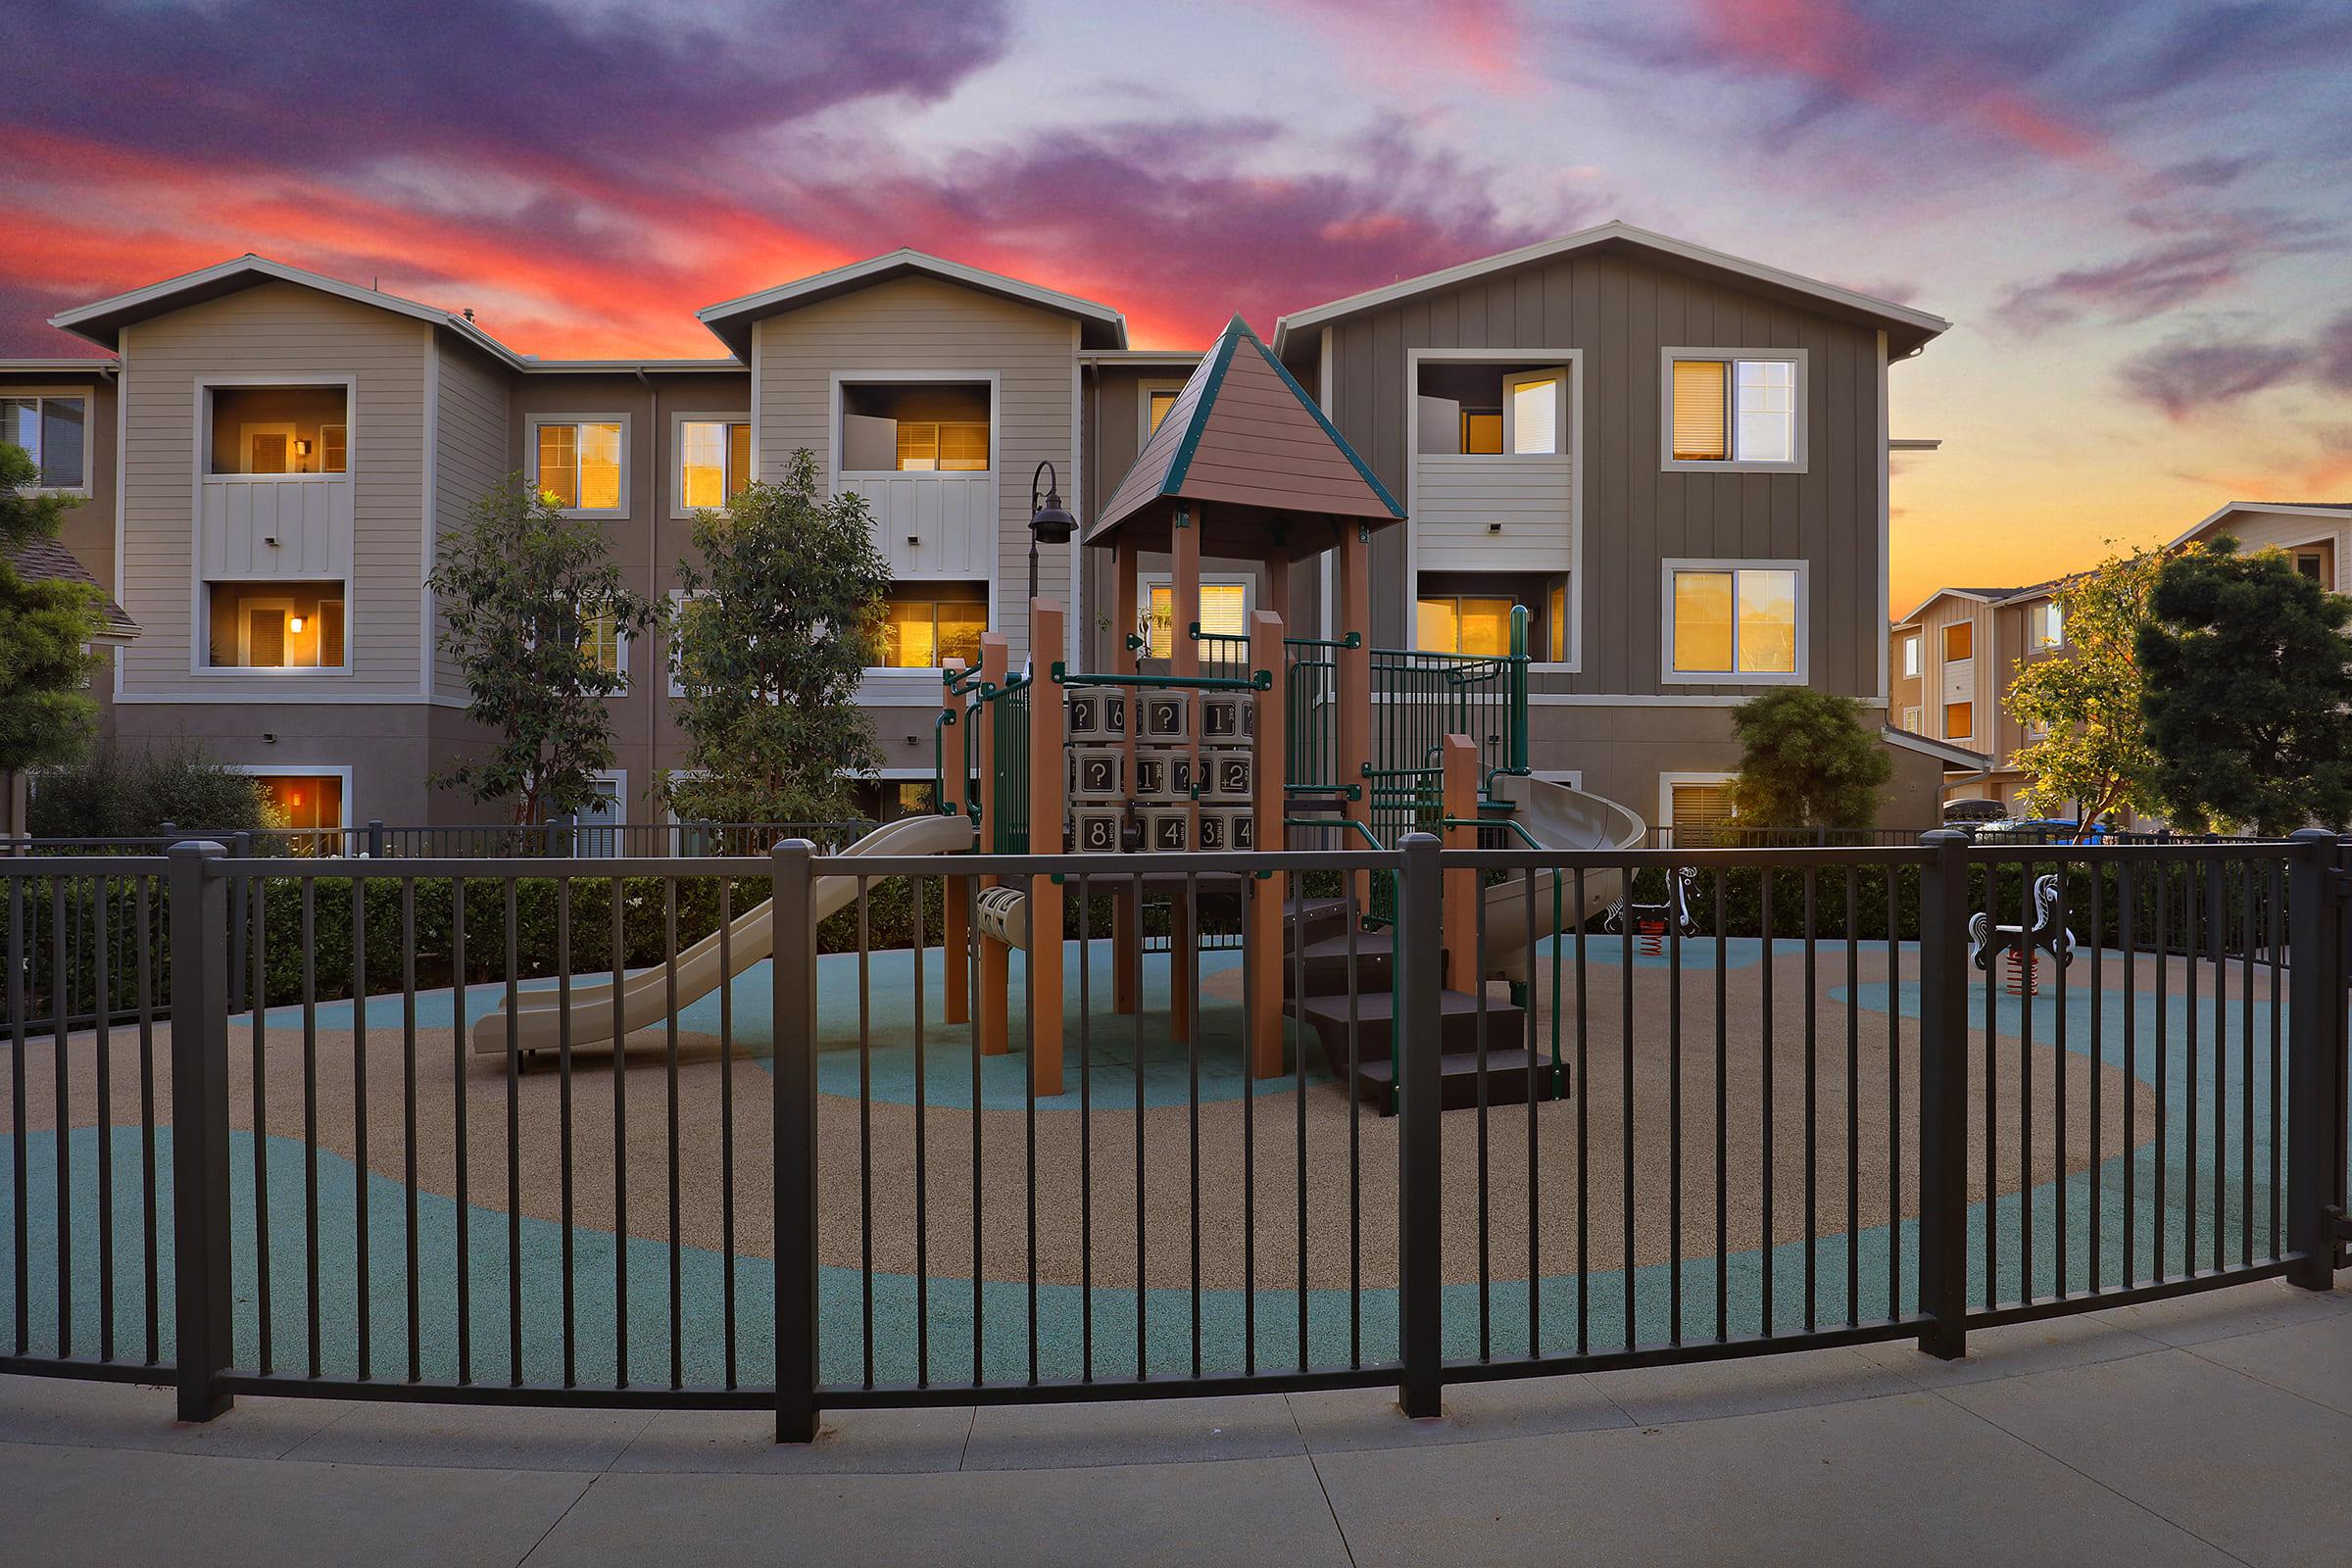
(645, 997)
(1556, 817)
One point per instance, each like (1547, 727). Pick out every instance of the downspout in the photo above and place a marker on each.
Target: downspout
(653, 567)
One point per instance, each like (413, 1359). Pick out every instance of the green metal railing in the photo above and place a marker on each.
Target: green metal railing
(1008, 708)
(1418, 699)
(1310, 690)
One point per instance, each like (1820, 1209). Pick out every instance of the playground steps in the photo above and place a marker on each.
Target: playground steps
(1312, 920)
(1509, 1061)
(1324, 964)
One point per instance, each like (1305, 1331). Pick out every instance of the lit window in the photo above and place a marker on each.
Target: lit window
(278, 430)
(1734, 622)
(1696, 806)
(1482, 432)
(714, 460)
(1560, 621)
(50, 431)
(579, 464)
(1157, 404)
(1912, 722)
(1733, 411)
(1959, 640)
(601, 638)
(915, 428)
(1911, 655)
(2043, 628)
(1463, 623)
(274, 625)
(1224, 613)
(1959, 720)
(1535, 412)
(924, 633)
(304, 800)
(914, 799)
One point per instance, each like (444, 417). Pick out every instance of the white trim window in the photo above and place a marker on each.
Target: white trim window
(1733, 411)
(714, 461)
(1225, 604)
(607, 641)
(1535, 412)
(2046, 626)
(1734, 623)
(1153, 400)
(54, 431)
(580, 462)
(1696, 803)
(1911, 656)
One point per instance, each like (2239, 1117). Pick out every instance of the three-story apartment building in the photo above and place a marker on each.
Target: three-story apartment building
(1677, 461)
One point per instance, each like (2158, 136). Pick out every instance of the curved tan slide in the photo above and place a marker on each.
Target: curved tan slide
(1556, 817)
(645, 996)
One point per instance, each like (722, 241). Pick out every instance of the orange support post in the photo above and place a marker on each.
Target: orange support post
(992, 1023)
(1461, 886)
(955, 779)
(1354, 688)
(1266, 894)
(1127, 905)
(1184, 660)
(1048, 814)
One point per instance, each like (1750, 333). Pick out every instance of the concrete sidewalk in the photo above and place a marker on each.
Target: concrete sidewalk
(2215, 1429)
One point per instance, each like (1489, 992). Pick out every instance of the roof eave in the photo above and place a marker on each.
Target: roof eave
(731, 320)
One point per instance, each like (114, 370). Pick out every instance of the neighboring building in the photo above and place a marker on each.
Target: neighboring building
(1953, 658)
(2314, 534)
(1676, 459)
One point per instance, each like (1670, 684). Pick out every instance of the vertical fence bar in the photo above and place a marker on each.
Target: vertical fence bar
(199, 1128)
(792, 1003)
(1419, 1178)
(1944, 1096)
(2315, 1022)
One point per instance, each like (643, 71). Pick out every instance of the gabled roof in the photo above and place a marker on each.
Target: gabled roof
(47, 561)
(2336, 510)
(1907, 329)
(102, 322)
(1953, 757)
(1099, 326)
(1985, 596)
(1244, 438)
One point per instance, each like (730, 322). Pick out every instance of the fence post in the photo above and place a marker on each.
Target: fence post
(376, 838)
(199, 956)
(791, 1004)
(1414, 1044)
(1943, 1096)
(241, 918)
(2314, 1062)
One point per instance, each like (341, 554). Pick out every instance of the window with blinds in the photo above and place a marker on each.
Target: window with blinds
(1697, 806)
(1735, 622)
(1959, 640)
(714, 460)
(1959, 721)
(942, 446)
(1224, 613)
(1700, 402)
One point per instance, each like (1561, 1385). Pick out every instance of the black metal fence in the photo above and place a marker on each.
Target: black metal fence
(1817, 1108)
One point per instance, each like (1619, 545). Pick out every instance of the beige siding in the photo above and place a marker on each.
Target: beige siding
(283, 331)
(1619, 309)
(470, 460)
(928, 324)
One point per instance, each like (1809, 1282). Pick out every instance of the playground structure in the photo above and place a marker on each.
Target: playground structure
(1230, 744)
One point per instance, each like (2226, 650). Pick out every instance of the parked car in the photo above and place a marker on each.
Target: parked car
(2038, 830)
(1969, 816)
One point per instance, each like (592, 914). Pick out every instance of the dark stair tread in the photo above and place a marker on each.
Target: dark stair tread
(1506, 1077)
(1379, 1006)
(1368, 945)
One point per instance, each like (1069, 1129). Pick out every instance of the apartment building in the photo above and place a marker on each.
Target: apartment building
(1674, 459)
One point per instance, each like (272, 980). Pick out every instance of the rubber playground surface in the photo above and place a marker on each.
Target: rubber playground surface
(1233, 1231)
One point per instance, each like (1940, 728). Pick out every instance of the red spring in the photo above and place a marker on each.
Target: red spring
(1654, 938)
(2021, 973)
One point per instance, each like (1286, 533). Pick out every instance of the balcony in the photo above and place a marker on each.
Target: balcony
(276, 525)
(1492, 512)
(931, 524)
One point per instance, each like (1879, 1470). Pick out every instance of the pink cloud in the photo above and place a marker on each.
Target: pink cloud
(1482, 40)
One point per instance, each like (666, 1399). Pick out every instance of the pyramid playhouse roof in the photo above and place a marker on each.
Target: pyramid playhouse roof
(1257, 463)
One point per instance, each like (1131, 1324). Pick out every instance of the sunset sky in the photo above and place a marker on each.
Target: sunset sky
(2134, 213)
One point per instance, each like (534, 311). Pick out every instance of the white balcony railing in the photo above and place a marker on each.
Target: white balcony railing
(1458, 501)
(932, 525)
(259, 526)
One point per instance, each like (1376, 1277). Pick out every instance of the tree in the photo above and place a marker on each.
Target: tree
(118, 793)
(2094, 749)
(773, 633)
(1807, 759)
(46, 625)
(533, 610)
(2249, 673)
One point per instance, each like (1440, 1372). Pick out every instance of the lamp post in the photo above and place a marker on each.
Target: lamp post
(1049, 523)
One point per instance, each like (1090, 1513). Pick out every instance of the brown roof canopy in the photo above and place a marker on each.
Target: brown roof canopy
(43, 560)
(1264, 472)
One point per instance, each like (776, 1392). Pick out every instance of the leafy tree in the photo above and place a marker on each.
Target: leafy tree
(526, 595)
(2249, 675)
(119, 793)
(2094, 749)
(45, 632)
(774, 631)
(1807, 759)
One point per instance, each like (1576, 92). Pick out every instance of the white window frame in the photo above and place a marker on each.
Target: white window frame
(2047, 614)
(1943, 720)
(679, 510)
(622, 638)
(1915, 720)
(1144, 391)
(1146, 581)
(844, 380)
(86, 396)
(1666, 784)
(1670, 464)
(530, 459)
(333, 770)
(618, 778)
(200, 463)
(1573, 777)
(1564, 404)
(1553, 360)
(1670, 676)
(928, 675)
(1912, 655)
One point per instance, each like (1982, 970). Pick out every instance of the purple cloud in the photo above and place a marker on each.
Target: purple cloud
(2331, 365)
(2186, 377)
(2198, 254)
